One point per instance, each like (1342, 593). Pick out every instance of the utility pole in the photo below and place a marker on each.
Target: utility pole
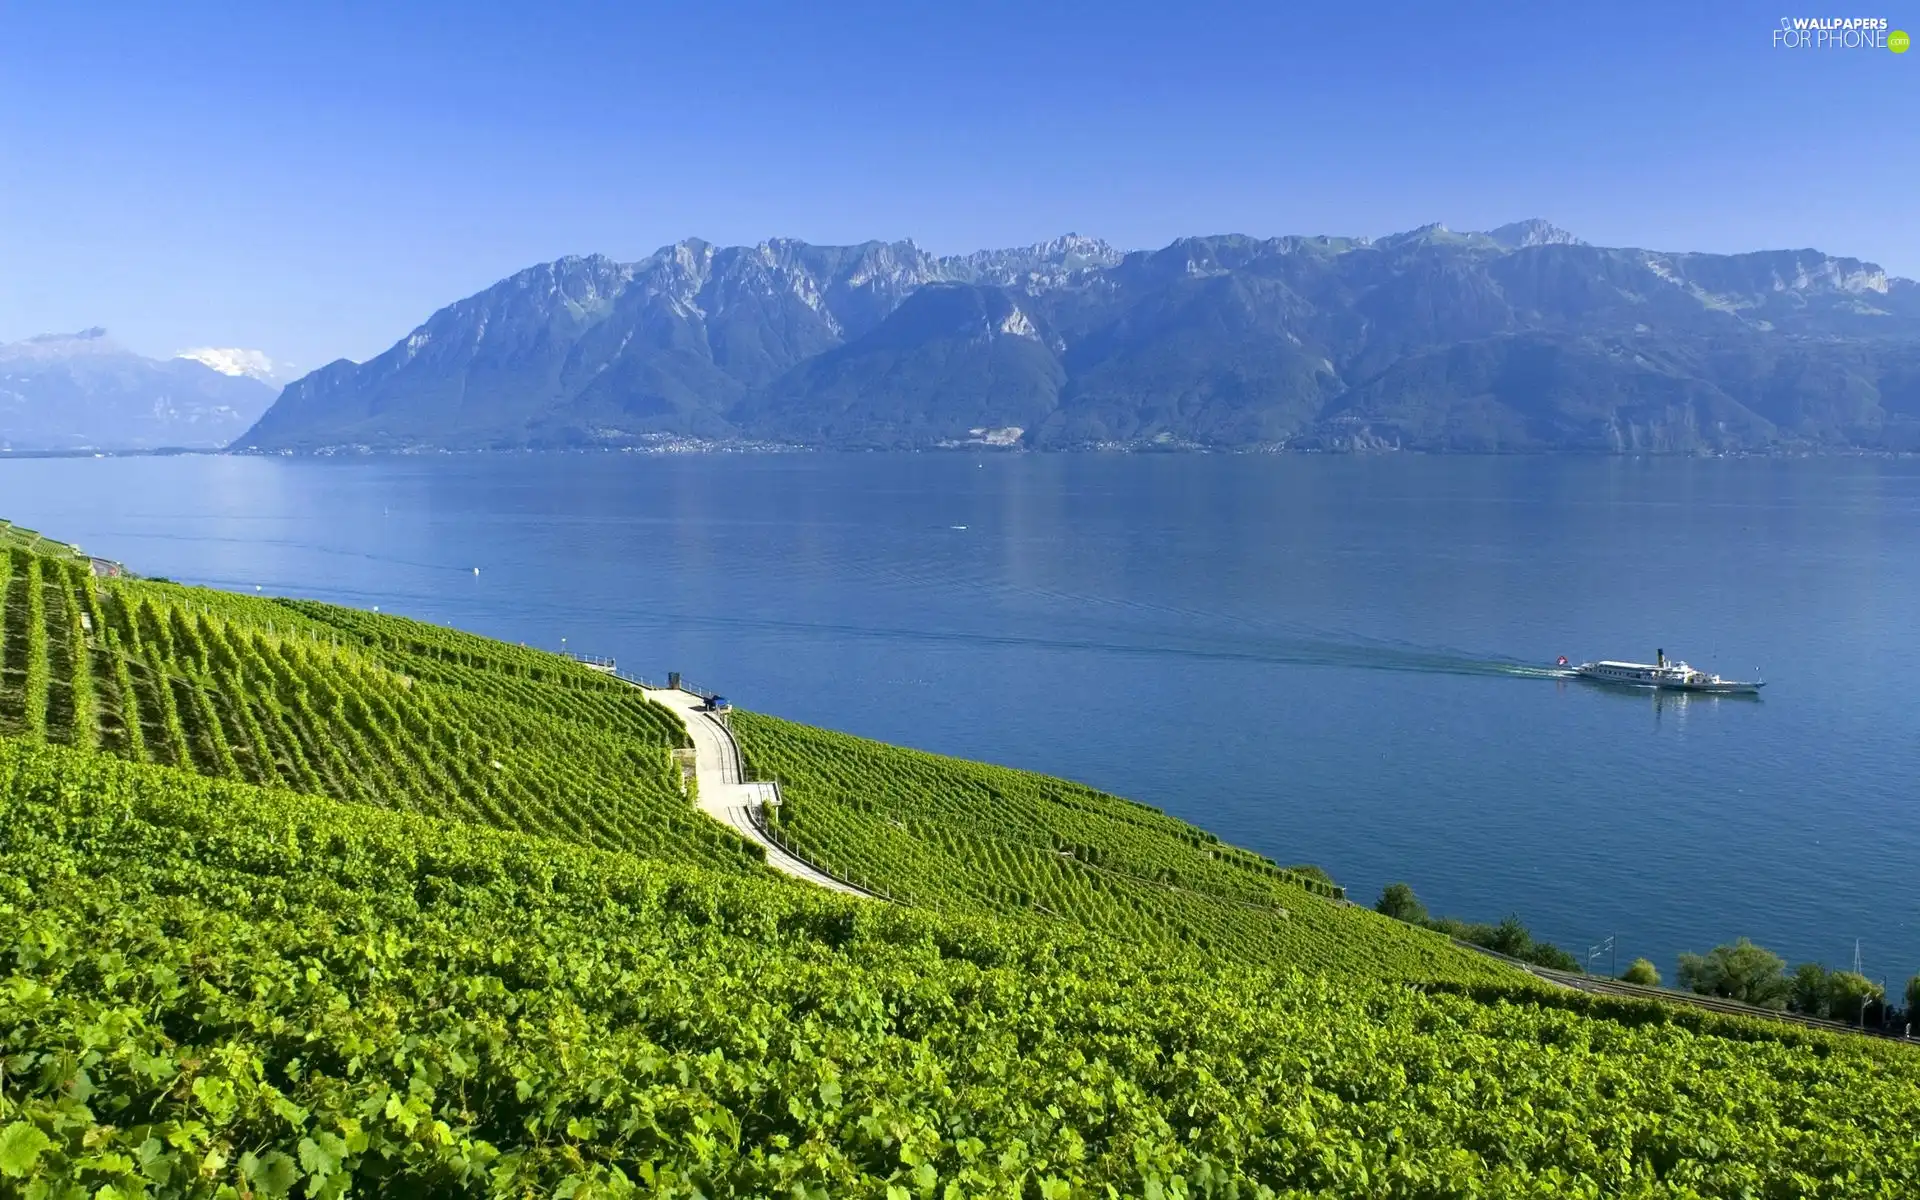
(1863, 996)
(1596, 950)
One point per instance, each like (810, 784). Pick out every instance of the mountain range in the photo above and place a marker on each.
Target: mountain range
(1521, 338)
(85, 391)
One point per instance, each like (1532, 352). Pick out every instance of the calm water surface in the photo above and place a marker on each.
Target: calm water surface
(1325, 659)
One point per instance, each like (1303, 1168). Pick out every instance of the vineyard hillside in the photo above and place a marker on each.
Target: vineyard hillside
(336, 702)
(382, 710)
(209, 988)
(966, 837)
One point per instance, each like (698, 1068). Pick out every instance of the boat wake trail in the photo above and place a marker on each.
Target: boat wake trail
(1369, 655)
(1291, 649)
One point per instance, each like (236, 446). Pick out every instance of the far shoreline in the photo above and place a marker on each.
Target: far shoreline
(692, 447)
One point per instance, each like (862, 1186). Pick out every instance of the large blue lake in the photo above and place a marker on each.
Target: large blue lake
(1324, 659)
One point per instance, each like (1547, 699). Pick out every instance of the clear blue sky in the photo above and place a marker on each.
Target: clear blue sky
(314, 184)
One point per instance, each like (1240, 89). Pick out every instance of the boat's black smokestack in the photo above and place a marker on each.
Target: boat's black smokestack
(1660, 657)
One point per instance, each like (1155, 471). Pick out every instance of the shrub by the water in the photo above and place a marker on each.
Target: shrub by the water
(1398, 901)
(1642, 972)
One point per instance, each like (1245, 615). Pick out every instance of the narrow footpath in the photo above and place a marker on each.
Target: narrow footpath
(725, 795)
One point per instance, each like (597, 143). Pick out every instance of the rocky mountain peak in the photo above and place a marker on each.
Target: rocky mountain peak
(1533, 231)
(1424, 235)
(1810, 270)
(1043, 264)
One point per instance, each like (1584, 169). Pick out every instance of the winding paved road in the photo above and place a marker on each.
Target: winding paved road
(725, 795)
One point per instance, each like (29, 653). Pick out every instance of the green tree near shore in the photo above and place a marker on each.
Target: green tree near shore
(1853, 998)
(1809, 988)
(1398, 901)
(1642, 972)
(1739, 971)
(1835, 995)
(1510, 937)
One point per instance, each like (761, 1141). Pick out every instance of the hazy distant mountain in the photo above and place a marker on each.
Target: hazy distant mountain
(84, 391)
(1517, 339)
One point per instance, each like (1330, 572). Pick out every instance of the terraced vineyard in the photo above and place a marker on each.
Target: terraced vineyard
(358, 706)
(966, 837)
(33, 541)
(270, 994)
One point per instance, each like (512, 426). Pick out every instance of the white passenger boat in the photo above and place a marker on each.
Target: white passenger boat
(1664, 674)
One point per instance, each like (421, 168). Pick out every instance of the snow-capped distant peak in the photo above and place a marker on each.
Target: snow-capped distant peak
(229, 361)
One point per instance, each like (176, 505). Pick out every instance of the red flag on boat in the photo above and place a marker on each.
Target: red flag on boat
(1563, 660)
